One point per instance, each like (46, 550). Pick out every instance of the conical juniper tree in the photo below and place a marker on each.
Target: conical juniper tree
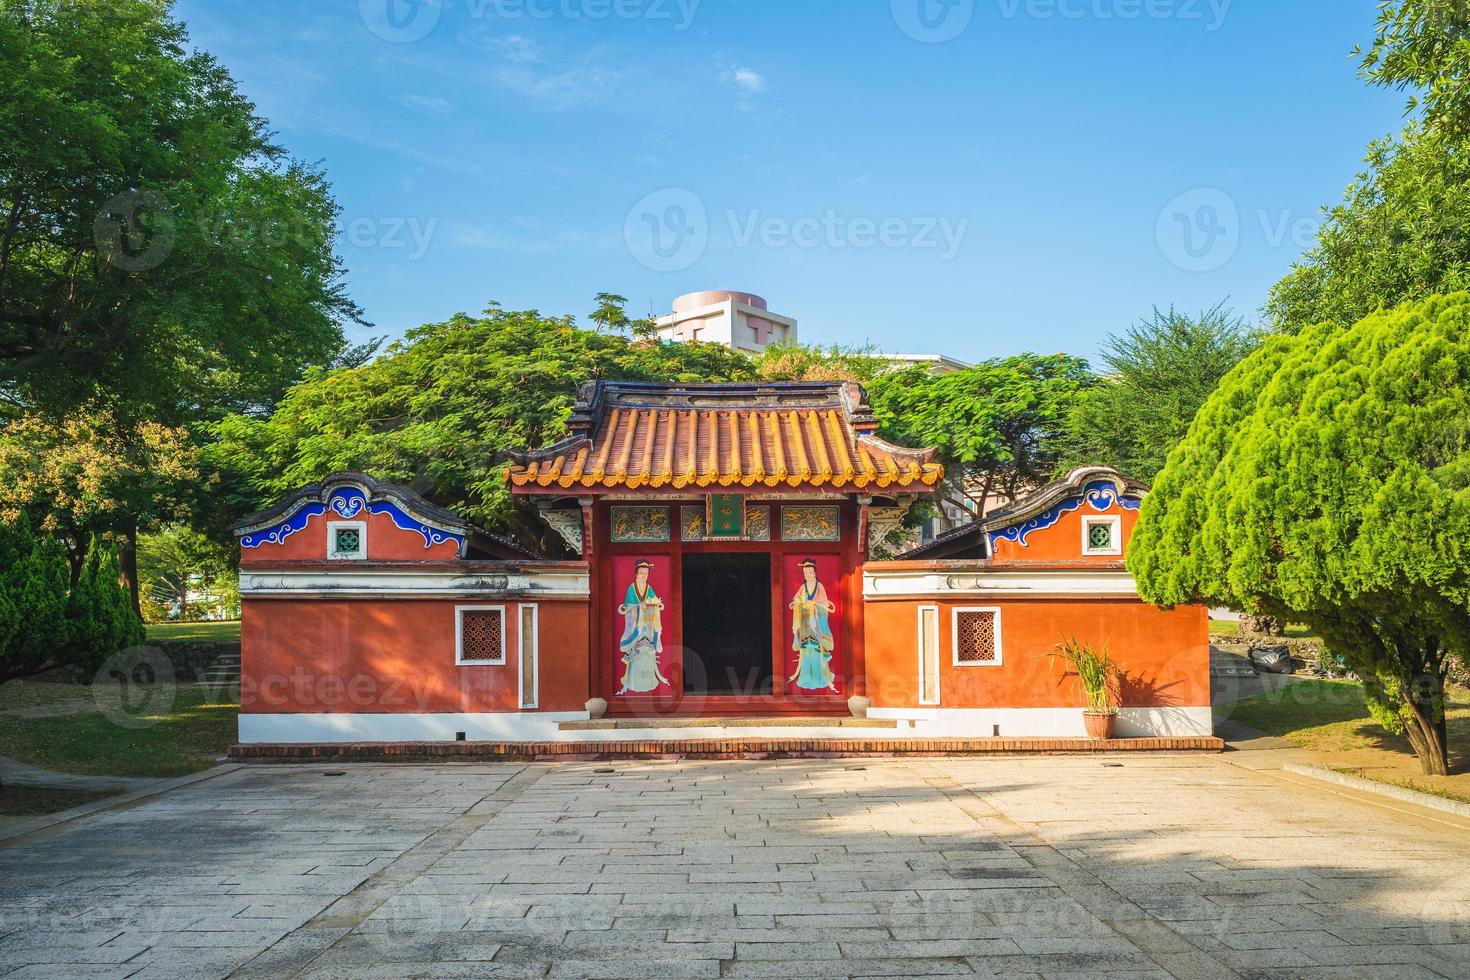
(1327, 481)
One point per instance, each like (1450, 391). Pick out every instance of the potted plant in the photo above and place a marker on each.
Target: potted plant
(1099, 676)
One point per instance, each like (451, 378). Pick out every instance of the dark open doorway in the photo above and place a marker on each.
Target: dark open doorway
(727, 624)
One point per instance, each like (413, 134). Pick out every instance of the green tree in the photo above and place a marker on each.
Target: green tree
(441, 407)
(790, 361)
(1424, 46)
(1398, 236)
(177, 560)
(162, 261)
(997, 425)
(1155, 377)
(100, 619)
(1324, 482)
(36, 584)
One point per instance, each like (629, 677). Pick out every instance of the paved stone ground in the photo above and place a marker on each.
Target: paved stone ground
(1185, 867)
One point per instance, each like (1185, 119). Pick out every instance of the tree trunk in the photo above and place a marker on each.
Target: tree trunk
(127, 562)
(1429, 739)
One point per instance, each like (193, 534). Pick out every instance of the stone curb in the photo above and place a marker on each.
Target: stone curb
(1379, 789)
(120, 801)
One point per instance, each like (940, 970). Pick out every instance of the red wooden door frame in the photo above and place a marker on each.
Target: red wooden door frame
(847, 631)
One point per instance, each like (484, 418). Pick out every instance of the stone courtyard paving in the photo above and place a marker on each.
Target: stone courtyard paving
(1180, 866)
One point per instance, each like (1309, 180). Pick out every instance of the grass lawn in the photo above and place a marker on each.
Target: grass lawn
(1331, 720)
(28, 801)
(1229, 629)
(222, 631)
(116, 731)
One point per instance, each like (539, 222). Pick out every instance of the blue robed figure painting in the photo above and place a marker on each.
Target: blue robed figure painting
(643, 635)
(811, 633)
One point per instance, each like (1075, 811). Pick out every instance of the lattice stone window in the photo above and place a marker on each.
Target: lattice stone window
(480, 635)
(346, 540)
(1102, 536)
(977, 637)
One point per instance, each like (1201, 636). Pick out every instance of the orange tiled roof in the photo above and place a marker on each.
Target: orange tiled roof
(799, 435)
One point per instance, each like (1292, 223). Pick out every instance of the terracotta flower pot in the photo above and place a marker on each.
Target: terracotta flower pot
(1099, 723)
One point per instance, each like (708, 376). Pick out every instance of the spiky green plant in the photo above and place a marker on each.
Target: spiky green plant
(1096, 670)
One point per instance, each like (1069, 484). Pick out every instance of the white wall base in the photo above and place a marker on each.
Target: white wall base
(1044, 722)
(543, 727)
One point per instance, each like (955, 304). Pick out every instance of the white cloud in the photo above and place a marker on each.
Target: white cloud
(566, 89)
(429, 103)
(514, 47)
(746, 80)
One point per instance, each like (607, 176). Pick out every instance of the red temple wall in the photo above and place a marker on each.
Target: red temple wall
(1164, 655)
(398, 655)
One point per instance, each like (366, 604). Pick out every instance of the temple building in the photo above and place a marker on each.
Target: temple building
(729, 581)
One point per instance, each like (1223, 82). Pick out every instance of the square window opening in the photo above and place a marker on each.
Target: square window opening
(1102, 536)
(977, 638)
(480, 637)
(346, 540)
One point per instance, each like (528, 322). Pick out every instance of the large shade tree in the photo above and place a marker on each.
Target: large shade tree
(1328, 480)
(1398, 234)
(162, 260)
(997, 425)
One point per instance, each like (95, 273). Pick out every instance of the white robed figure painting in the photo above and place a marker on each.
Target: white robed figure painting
(643, 635)
(811, 633)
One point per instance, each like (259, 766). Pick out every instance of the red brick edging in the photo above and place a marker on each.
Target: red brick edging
(719, 748)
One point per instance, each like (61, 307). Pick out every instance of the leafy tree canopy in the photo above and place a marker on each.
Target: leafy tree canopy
(1424, 46)
(997, 425)
(441, 407)
(1155, 377)
(1324, 481)
(1398, 236)
(790, 361)
(165, 254)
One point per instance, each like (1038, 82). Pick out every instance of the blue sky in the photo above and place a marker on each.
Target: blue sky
(990, 177)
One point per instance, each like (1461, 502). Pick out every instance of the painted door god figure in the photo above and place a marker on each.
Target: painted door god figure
(811, 633)
(643, 635)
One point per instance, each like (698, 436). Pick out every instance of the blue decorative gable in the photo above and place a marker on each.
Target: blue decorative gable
(1100, 495)
(347, 496)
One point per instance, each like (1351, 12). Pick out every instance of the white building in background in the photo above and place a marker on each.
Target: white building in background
(744, 322)
(738, 320)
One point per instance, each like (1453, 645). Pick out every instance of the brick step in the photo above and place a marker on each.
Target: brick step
(714, 748)
(725, 721)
